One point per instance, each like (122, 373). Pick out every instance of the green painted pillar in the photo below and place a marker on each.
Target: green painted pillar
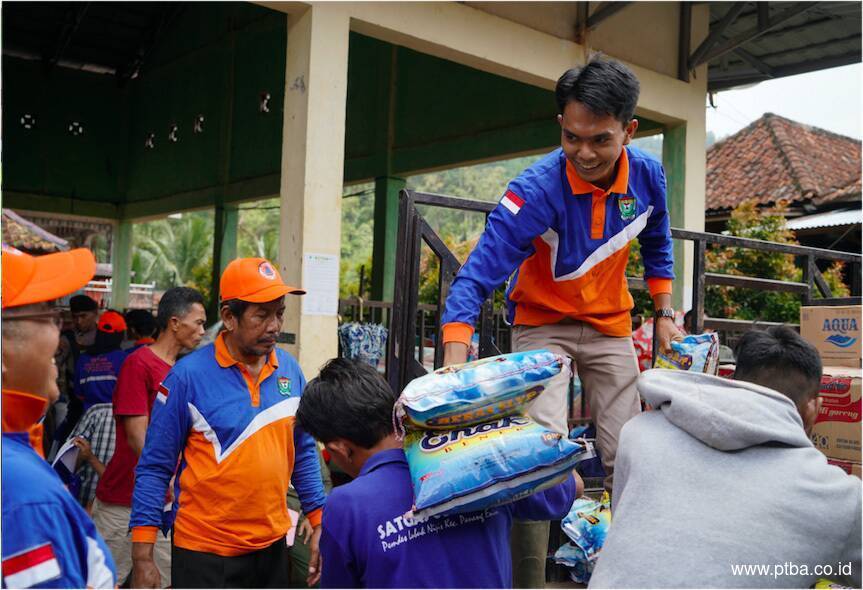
(121, 264)
(387, 186)
(225, 222)
(674, 161)
(386, 233)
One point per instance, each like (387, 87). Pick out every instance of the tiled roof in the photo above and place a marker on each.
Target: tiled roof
(776, 159)
(29, 237)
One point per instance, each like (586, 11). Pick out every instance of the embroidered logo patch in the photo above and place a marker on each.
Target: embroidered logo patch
(267, 271)
(284, 386)
(627, 207)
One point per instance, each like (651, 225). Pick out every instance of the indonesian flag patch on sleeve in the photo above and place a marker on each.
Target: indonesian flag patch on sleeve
(512, 202)
(30, 568)
(162, 394)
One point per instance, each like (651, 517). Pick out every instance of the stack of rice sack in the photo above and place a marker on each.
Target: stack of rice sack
(586, 526)
(468, 442)
(698, 353)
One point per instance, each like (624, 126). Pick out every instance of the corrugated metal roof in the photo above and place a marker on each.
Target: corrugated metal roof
(776, 39)
(839, 218)
(763, 40)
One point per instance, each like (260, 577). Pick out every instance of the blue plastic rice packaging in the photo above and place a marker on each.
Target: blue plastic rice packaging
(477, 392)
(698, 353)
(586, 526)
(480, 466)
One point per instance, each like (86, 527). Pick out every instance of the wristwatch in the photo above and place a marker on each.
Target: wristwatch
(665, 312)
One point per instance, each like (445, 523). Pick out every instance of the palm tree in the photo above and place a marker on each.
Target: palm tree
(172, 252)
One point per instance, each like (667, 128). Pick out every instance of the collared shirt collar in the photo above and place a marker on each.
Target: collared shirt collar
(225, 360)
(382, 458)
(21, 411)
(582, 187)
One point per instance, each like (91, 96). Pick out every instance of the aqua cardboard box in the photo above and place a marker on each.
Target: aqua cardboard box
(835, 332)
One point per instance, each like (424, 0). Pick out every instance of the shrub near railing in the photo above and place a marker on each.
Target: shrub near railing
(747, 221)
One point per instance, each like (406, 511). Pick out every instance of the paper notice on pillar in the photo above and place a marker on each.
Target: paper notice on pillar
(321, 282)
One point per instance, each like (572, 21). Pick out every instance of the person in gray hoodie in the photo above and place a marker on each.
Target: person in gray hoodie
(720, 487)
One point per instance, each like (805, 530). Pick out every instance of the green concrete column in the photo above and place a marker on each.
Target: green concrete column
(674, 161)
(386, 232)
(121, 264)
(225, 223)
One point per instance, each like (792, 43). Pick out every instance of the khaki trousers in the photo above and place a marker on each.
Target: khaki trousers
(112, 522)
(608, 369)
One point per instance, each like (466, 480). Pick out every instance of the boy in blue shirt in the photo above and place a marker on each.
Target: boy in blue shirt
(366, 540)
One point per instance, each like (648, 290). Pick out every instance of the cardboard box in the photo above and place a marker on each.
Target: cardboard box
(837, 429)
(835, 332)
(856, 470)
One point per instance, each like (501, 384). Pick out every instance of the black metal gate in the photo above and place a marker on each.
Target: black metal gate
(402, 365)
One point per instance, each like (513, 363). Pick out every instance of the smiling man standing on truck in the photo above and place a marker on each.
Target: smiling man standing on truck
(563, 227)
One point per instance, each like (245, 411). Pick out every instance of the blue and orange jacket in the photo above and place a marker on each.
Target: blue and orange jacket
(569, 241)
(48, 539)
(241, 448)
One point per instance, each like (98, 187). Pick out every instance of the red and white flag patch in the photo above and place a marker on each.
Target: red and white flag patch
(162, 394)
(31, 567)
(512, 202)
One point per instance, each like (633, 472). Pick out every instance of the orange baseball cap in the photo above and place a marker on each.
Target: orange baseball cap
(254, 280)
(33, 279)
(111, 322)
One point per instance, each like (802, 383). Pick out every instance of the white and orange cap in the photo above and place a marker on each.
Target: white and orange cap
(255, 280)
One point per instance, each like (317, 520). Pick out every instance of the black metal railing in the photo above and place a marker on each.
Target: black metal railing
(401, 362)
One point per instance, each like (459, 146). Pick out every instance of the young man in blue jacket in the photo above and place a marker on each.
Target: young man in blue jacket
(48, 540)
(366, 541)
(561, 235)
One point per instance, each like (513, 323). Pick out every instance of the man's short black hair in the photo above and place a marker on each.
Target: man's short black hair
(237, 307)
(779, 358)
(80, 303)
(603, 85)
(142, 322)
(349, 400)
(176, 303)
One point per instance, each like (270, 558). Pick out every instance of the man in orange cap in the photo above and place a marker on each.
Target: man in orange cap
(48, 540)
(228, 411)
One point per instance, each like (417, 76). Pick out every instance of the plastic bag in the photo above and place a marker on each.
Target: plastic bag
(485, 465)
(825, 584)
(479, 391)
(586, 525)
(699, 354)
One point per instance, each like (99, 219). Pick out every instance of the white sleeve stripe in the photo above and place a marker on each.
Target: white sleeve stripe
(99, 575)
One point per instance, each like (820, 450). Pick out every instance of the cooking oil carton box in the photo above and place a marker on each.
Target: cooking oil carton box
(837, 429)
(835, 332)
